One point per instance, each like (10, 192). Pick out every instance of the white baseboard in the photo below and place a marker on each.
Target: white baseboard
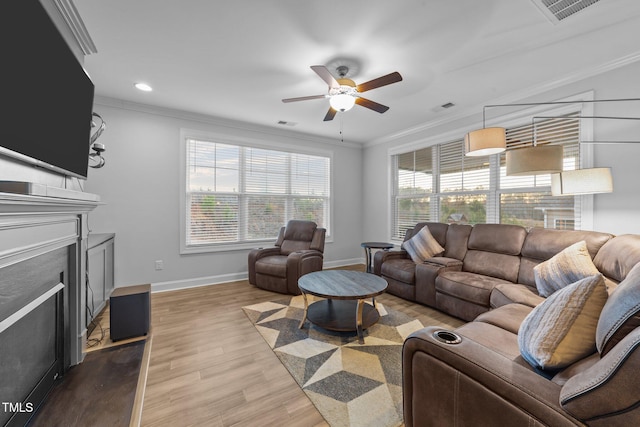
(175, 285)
(343, 262)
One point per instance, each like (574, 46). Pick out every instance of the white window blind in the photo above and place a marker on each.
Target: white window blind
(460, 173)
(240, 194)
(464, 185)
(414, 185)
(527, 200)
(462, 189)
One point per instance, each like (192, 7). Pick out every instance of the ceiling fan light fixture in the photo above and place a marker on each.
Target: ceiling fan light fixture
(344, 93)
(342, 101)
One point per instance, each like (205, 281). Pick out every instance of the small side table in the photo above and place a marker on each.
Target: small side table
(373, 245)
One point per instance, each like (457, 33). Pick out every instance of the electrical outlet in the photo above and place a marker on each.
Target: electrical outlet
(159, 264)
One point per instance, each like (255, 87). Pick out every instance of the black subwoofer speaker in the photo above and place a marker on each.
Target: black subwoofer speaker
(129, 312)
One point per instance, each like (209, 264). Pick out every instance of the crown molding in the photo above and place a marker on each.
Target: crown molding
(507, 119)
(75, 24)
(512, 97)
(219, 122)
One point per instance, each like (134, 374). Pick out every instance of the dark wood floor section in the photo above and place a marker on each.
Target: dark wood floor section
(98, 392)
(210, 366)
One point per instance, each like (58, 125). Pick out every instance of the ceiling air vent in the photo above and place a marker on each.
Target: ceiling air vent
(557, 10)
(443, 107)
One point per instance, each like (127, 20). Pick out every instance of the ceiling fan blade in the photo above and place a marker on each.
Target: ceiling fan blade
(304, 98)
(371, 105)
(380, 81)
(325, 75)
(330, 114)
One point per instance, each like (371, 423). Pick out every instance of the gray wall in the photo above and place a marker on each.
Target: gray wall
(140, 188)
(617, 212)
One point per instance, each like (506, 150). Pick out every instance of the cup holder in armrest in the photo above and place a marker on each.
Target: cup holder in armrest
(447, 337)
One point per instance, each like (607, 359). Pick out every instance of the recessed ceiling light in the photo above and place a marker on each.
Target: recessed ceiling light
(143, 87)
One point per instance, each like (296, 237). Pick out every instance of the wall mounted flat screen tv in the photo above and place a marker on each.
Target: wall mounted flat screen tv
(46, 99)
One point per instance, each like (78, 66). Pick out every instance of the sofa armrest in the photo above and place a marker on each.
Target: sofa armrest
(426, 274)
(300, 263)
(255, 255)
(442, 261)
(258, 253)
(607, 392)
(470, 384)
(382, 256)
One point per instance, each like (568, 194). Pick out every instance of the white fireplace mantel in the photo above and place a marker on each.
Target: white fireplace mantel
(34, 225)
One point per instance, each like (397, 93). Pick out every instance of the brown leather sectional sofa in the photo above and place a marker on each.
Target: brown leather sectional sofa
(476, 375)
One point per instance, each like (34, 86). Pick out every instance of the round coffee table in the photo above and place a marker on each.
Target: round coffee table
(344, 308)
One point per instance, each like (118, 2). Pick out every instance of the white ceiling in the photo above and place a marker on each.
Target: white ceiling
(238, 59)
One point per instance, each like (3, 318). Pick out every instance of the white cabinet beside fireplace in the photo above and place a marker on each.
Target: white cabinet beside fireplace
(100, 254)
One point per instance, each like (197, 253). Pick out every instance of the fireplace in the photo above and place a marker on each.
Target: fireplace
(42, 330)
(32, 332)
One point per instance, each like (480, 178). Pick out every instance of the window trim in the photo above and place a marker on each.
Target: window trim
(186, 134)
(507, 120)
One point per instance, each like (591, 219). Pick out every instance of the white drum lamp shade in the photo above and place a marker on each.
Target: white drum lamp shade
(484, 142)
(536, 160)
(582, 181)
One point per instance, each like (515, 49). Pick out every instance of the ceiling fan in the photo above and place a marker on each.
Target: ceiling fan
(344, 93)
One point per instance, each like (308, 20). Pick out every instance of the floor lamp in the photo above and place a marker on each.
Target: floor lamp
(584, 181)
(545, 159)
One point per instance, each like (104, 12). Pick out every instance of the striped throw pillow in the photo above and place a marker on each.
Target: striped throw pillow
(562, 330)
(422, 246)
(568, 266)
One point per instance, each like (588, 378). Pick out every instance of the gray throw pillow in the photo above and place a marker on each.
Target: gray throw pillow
(422, 246)
(562, 330)
(621, 313)
(568, 266)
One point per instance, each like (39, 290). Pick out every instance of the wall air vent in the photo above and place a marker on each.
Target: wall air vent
(557, 10)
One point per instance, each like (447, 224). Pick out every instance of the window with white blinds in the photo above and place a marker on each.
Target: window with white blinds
(439, 183)
(414, 180)
(527, 200)
(245, 194)
(464, 185)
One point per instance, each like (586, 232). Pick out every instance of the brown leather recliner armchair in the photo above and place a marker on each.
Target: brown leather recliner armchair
(298, 250)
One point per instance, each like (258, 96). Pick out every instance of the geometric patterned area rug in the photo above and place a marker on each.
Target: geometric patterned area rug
(351, 384)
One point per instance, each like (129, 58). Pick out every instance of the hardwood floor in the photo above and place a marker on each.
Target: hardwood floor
(210, 366)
